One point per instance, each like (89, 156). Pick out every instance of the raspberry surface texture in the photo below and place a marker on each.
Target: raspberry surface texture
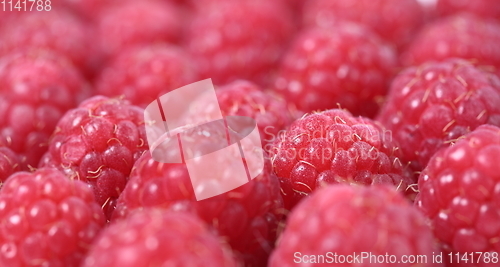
(36, 88)
(433, 104)
(460, 194)
(335, 147)
(347, 66)
(56, 30)
(247, 217)
(9, 163)
(462, 36)
(239, 39)
(155, 237)
(482, 8)
(343, 220)
(394, 20)
(98, 143)
(46, 219)
(141, 74)
(137, 22)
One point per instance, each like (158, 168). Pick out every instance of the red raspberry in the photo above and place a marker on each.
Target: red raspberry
(460, 193)
(239, 39)
(349, 66)
(9, 163)
(144, 73)
(137, 22)
(46, 219)
(86, 9)
(482, 8)
(98, 143)
(335, 147)
(463, 36)
(155, 237)
(432, 105)
(340, 222)
(36, 88)
(394, 20)
(244, 98)
(247, 217)
(54, 30)
(91, 9)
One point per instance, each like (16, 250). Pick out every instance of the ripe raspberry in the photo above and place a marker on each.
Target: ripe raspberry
(247, 217)
(137, 22)
(36, 88)
(463, 36)
(239, 39)
(340, 221)
(46, 219)
(86, 9)
(431, 105)
(481, 8)
(394, 20)
(335, 147)
(55, 30)
(98, 143)
(144, 73)
(349, 66)
(460, 193)
(244, 98)
(9, 163)
(155, 237)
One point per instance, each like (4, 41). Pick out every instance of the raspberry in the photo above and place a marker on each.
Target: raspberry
(335, 147)
(239, 39)
(349, 66)
(482, 8)
(98, 143)
(394, 20)
(244, 98)
(460, 193)
(9, 163)
(339, 222)
(462, 36)
(154, 237)
(56, 30)
(144, 73)
(36, 88)
(46, 219)
(247, 217)
(431, 105)
(137, 22)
